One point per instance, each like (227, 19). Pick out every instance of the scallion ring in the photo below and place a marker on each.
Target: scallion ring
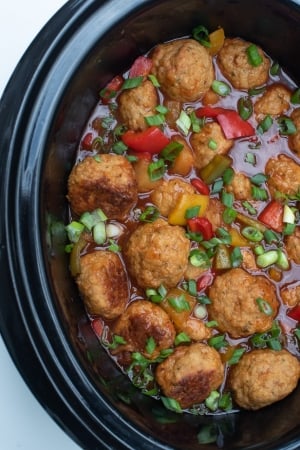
(221, 88)
(254, 57)
(245, 107)
(264, 306)
(252, 234)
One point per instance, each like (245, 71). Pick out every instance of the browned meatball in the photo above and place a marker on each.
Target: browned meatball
(290, 295)
(214, 213)
(157, 253)
(200, 143)
(284, 175)
(102, 283)
(143, 320)
(107, 182)
(275, 101)
(166, 195)
(292, 246)
(190, 373)
(294, 139)
(263, 377)
(240, 187)
(183, 318)
(183, 68)
(136, 104)
(235, 306)
(234, 64)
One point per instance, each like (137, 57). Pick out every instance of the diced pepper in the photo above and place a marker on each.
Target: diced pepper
(87, 141)
(185, 202)
(97, 326)
(201, 225)
(216, 39)
(141, 67)
(111, 88)
(215, 168)
(204, 281)
(209, 111)
(294, 313)
(237, 240)
(222, 257)
(151, 140)
(272, 216)
(234, 126)
(200, 186)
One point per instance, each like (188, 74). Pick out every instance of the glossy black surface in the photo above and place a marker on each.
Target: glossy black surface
(59, 78)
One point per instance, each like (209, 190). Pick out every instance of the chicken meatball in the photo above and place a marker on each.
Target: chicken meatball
(294, 139)
(292, 246)
(241, 303)
(214, 213)
(157, 254)
(235, 66)
(275, 101)
(190, 373)
(166, 195)
(240, 187)
(290, 295)
(136, 104)
(283, 175)
(183, 68)
(143, 320)
(102, 282)
(263, 377)
(201, 144)
(107, 182)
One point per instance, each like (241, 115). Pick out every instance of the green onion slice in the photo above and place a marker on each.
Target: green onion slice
(182, 338)
(150, 345)
(228, 176)
(192, 212)
(150, 214)
(156, 170)
(221, 88)
(201, 34)
(256, 91)
(252, 234)
(156, 120)
(131, 83)
(267, 258)
(171, 404)
(286, 126)
(295, 98)
(212, 144)
(265, 124)
(236, 257)
(218, 341)
(171, 151)
(74, 230)
(274, 70)
(179, 303)
(258, 179)
(154, 80)
(247, 205)
(184, 123)
(236, 356)
(245, 107)
(259, 193)
(254, 57)
(212, 401)
(264, 306)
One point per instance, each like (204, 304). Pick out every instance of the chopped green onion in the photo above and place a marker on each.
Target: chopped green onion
(113, 246)
(184, 123)
(274, 344)
(286, 126)
(215, 168)
(156, 295)
(254, 58)
(154, 80)
(225, 402)
(171, 404)
(289, 229)
(250, 158)
(270, 236)
(245, 107)
(229, 215)
(274, 70)
(97, 143)
(217, 186)
(131, 83)
(258, 179)
(156, 120)
(220, 88)
(156, 170)
(116, 341)
(297, 333)
(204, 300)
(191, 287)
(218, 341)
(212, 144)
(265, 124)
(264, 306)
(282, 261)
(162, 109)
(211, 324)
(247, 205)
(74, 230)
(208, 434)
(227, 199)
(197, 123)
(99, 233)
(181, 338)
(236, 356)
(295, 98)
(171, 151)
(256, 91)
(259, 193)
(269, 338)
(150, 345)
(119, 148)
(201, 34)
(200, 311)
(150, 214)
(199, 259)
(132, 158)
(192, 212)
(236, 257)
(252, 234)
(90, 219)
(259, 250)
(179, 303)
(267, 258)
(228, 176)
(212, 401)
(222, 258)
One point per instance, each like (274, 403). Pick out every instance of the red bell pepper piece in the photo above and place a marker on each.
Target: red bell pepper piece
(111, 88)
(151, 140)
(201, 225)
(204, 281)
(272, 216)
(97, 326)
(294, 313)
(209, 111)
(200, 186)
(146, 156)
(234, 126)
(87, 141)
(141, 67)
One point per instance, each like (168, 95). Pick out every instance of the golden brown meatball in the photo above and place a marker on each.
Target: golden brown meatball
(240, 187)
(274, 101)
(157, 253)
(290, 295)
(292, 246)
(102, 283)
(234, 64)
(294, 139)
(183, 68)
(263, 377)
(143, 320)
(214, 213)
(136, 104)
(166, 195)
(190, 373)
(200, 143)
(183, 318)
(284, 175)
(107, 182)
(235, 306)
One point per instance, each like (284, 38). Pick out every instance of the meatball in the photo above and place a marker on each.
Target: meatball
(284, 175)
(294, 139)
(234, 64)
(136, 104)
(214, 213)
(182, 316)
(236, 298)
(292, 246)
(166, 195)
(190, 373)
(102, 282)
(157, 254)
(143, 320)
(290, 295)
(107, 182)
(183, 68)
(200, 143)
(240, 187)
(275, 101)
(263, 377)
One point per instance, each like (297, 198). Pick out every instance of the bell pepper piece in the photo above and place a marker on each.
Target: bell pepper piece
(200, 186)
(204, 281)
(111, 88)
(216, 39)
(98, 327)
(151, 140)
(185, 202)
(234, 126)
(222, 257)
(215, 168)
(237, 240)
(272, 216)
(201, 225)
(87, 141)
(209, 111)
(294, 313)
(141, 67)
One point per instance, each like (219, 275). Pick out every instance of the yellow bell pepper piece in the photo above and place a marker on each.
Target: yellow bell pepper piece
(237, 240)
(185, 202)
(216, 39)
